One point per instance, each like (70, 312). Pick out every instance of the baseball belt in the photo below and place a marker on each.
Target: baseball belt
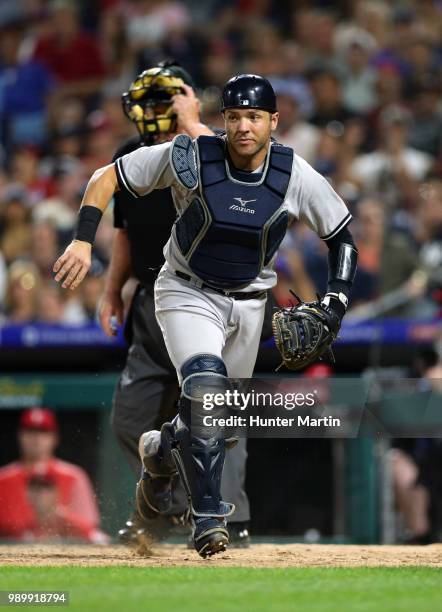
(235, 295)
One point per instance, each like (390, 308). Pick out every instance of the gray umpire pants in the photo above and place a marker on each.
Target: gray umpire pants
(146, 397)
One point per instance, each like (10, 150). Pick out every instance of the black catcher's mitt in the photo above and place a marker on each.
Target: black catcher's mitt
(304, 333)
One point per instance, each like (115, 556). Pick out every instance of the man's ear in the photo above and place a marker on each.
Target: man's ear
(274, 117)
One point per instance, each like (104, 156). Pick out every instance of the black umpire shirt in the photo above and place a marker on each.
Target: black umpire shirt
(148, 221)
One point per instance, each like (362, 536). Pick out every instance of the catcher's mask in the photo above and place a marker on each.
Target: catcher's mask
(148, 102)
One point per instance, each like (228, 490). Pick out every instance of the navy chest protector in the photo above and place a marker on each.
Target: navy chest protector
(232, 229)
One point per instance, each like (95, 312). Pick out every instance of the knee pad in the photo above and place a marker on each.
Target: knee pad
(203, 362)
(203, 374)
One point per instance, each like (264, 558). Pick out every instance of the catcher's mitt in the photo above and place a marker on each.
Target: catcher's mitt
(304, 333)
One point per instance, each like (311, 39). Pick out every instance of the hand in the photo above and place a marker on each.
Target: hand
(111, 305)
(187, 108)
(44, 503)
(74, 264)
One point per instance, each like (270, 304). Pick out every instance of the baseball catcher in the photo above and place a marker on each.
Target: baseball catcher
(160, 102)
(235, 196)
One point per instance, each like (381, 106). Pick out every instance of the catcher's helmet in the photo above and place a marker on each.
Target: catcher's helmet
(148, 102)
(248, 91)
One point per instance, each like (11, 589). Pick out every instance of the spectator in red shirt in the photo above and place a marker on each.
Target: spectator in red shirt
(42, 497)
(71, 54)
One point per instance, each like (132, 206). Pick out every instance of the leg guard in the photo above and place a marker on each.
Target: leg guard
(200, 452)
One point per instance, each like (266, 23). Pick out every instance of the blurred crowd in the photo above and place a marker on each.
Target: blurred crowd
(359, 93)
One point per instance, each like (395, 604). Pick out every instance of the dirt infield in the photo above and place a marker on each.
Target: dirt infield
(258, 555)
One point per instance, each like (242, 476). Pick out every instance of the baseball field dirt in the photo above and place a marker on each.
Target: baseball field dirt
(258, 555)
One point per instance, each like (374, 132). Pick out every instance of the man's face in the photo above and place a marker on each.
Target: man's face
(36, 445)
(248, 131)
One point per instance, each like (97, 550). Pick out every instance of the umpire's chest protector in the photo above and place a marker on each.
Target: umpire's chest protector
(232, 229)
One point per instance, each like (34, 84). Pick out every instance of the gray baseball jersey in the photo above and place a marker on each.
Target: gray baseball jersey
(309, 198)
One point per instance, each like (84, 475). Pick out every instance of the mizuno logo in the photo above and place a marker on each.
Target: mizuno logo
(241, 207)
(243, 202)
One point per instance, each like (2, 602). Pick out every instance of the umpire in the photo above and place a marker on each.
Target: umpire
(159, 102)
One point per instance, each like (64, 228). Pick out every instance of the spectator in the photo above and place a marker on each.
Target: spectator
(358, 98)
(401, 35)
(3, 277)
(373, 16)
(218, 66)
(387, 257)
(423, 64)
(69, 116)
(117, 53)
(22, 292)
(427, 232)
(292, 130)
(44, 247)
(50, 304)
(122, 129)
(292, 276)
(315, 30)
(71, 54)
(292, 73)
(337, 147)
(15, 228)
(210, 114)
(153, 20)
(395, 168)
(25, 170)
(263, 45)
(42, 497)
(100, 140)
(92, 291)
(357, 76)
(327, 94)
(425, 130)
(24, 88)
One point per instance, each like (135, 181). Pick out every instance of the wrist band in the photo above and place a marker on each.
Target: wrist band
(337, 302)
(88, 219)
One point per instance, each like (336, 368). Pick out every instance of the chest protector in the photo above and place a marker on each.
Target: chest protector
(232, 229)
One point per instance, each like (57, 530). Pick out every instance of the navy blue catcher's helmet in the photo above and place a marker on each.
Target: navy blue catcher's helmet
(248, 91)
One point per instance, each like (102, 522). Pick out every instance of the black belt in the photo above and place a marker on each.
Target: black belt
(235, 295)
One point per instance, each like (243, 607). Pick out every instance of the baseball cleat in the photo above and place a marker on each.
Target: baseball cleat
(239, 536)
(154, 489)
(210, 536)
(156, 493)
